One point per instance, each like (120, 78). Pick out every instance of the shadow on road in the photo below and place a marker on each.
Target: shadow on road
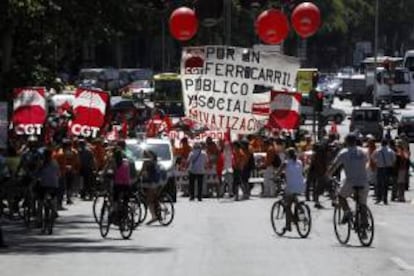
(70, 236)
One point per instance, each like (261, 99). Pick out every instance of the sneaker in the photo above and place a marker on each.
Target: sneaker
(347, 216)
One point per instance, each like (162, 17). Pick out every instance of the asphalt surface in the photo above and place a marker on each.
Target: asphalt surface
(213, 237)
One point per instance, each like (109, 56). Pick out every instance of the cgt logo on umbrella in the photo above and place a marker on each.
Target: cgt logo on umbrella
(29, 110)
(194, 61)
(89, 108)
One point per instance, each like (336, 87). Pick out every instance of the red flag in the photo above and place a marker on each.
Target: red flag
(124, 127)
(29, 110)
(157, 125)
(284, 108)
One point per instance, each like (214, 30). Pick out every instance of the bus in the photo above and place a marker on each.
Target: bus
(168, 94)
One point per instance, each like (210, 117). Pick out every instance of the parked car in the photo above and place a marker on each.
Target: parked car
(367, 120)
(406, 125)
(332, 114)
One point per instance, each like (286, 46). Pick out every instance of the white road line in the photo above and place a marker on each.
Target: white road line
(402, 264)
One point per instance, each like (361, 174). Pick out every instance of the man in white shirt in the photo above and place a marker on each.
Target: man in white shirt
(384, 158)
(354, 161)
(196, 164)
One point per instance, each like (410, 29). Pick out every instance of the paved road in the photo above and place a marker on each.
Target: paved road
(213, 237)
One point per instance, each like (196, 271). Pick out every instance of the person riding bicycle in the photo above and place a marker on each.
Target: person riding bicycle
(49, 175)
(354, 161)
(150, 175)
(31, 160)
(295, 183)
(122, 178)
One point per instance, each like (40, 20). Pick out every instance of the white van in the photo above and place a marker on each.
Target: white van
(409, 64)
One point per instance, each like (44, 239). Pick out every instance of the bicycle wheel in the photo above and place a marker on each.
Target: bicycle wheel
(105, 219)
(144, 208)
(126, 222)
(135, 205)
(97, 206)
(342, 230)
(47, 225)
(165, 210)
(365, 228)
(303, 219)
(27, 213)
(278, 218)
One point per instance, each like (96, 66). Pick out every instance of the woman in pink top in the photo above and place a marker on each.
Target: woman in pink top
(122, 177)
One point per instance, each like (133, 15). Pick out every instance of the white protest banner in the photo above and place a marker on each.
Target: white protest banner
(223, 86)
(4, 125)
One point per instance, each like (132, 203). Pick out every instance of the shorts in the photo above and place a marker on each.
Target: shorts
(348, 190)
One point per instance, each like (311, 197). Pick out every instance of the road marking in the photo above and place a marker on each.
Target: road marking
(402, 264)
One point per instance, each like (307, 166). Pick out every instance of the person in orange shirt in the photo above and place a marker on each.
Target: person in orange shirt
(240, 161)
(68, 160)
(99, 152)
(272, 162)
(256, 144)
(182, 152)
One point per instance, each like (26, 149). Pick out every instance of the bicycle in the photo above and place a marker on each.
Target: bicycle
(122, 215)
(301, 217)
(48, 214)
(364, 228)
(164, 208)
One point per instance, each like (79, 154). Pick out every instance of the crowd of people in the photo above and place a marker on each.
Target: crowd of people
(70, 167)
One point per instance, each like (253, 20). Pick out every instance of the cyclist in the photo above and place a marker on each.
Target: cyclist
(122, 178)
(295, 184)
(354, 161)
(49, 180)
(31, 160)
(150, 176)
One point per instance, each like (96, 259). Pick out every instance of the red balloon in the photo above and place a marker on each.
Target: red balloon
(183, 23)
(272, 26)
(306, 19)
